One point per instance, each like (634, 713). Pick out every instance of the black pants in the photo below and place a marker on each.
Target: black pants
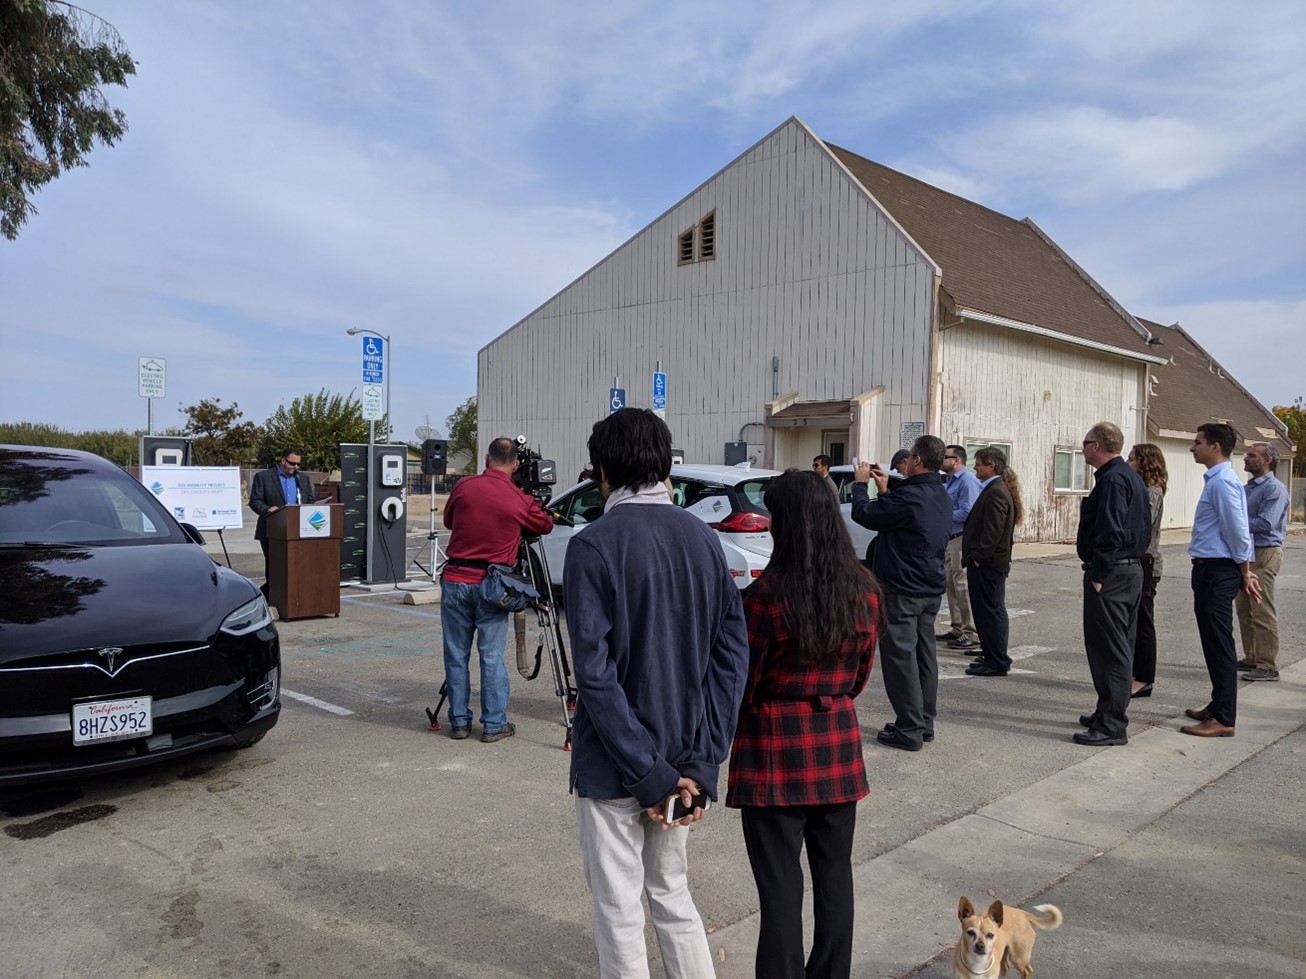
(988, 605)
(909, 661)
(1110, 630)
(1215, 586)
(1145, 642)
(774, 836)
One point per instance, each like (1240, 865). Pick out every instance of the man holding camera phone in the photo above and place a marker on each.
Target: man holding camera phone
(660, 653)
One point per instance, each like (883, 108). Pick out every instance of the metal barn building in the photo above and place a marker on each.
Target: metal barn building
(805, 300)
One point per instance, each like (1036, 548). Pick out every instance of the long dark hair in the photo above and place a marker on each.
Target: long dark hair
(813, 568)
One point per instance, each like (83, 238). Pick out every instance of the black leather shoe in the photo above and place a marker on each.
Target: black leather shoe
(1144, 691)
(946, 636)
(1086, 720)
(1096, 739)
(927, 737)
(896, 739)
(963, 643)
(984, 669)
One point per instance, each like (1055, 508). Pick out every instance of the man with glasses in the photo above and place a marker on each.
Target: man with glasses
(913, 524)
(1267, 519)
(963, 490)
(821, 466)
(1115, 529)
(270, 490)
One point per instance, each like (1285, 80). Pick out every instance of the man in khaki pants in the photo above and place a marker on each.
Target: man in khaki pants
(1267, 518)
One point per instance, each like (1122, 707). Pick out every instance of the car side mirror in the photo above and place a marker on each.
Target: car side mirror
(192, 533)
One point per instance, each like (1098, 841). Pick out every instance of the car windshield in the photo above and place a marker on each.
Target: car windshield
(51, 499)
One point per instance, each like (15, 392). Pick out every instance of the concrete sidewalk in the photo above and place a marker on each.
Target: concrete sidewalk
(1074, 823)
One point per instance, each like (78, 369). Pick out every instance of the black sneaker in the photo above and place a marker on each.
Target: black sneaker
(489, 737)
(1244, 666)
(947, 636)
(1260, 674)
(927, 737)
(460, 732)
(963, 643)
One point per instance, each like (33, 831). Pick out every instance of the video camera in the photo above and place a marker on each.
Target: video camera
(535, 475)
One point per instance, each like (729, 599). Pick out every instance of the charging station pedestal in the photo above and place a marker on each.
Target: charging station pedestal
(303, 554)
(374, 493)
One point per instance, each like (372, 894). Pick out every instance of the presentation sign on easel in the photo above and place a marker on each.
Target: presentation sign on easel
(207, 496)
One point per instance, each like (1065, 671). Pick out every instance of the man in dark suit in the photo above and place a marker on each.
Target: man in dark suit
(986, 556)
(270, 490)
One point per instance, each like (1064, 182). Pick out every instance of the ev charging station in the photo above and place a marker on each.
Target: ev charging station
(373, 484)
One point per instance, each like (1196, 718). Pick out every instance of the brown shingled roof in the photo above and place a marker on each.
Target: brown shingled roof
(1193, 388)
(996, 264)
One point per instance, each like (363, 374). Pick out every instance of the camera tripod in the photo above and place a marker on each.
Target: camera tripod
(533, 564)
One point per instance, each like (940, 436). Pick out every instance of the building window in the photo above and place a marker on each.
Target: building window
(707, 238)
(1070, 472)
(973, 446)
(703, 235)
(685, 248)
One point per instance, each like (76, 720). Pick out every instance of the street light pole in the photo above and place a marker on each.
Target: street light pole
(354, 331)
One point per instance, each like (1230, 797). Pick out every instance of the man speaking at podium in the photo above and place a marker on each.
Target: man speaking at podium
(269, 491)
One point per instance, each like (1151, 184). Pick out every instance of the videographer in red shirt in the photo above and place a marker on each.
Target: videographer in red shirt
(488, 515)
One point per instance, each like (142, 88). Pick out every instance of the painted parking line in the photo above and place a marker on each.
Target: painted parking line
(314, 702)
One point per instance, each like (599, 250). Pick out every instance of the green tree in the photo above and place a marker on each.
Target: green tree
(1294, 416)
(117, 446)
(462, 427)
(219, 440)
(316, 424)
(54, 57)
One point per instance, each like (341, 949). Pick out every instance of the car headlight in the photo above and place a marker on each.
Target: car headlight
(251, 616)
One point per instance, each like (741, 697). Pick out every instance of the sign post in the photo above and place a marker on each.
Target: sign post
(660, 392)
(152, 383)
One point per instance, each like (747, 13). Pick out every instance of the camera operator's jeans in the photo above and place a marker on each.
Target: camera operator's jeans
(461, 611)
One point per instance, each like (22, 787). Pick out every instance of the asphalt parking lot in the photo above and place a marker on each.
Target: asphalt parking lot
(353, 841)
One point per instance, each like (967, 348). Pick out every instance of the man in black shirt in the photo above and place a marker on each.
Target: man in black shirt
(1115, 528)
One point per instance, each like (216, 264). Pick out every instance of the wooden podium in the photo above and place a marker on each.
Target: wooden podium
(304, 559)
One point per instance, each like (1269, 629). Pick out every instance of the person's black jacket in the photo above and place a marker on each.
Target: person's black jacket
(986, 537)
(1115, 521)
(913, 523)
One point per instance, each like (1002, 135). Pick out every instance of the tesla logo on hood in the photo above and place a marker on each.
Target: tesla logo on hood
(111, 653)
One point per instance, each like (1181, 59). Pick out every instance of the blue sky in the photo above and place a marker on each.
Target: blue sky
(435, 171)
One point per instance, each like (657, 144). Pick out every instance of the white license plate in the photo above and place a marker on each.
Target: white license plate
(112, 720)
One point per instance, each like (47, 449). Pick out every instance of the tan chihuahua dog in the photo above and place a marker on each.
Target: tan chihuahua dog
(999, 939)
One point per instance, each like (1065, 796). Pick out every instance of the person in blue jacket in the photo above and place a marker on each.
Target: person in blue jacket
(914, 522)
(660, 656)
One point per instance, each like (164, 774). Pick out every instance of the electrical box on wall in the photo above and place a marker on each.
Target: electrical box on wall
(736, 452)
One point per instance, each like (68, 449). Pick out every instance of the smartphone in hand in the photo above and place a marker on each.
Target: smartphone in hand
(675, 809)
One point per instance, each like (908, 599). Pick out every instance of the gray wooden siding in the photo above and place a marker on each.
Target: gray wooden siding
(993, 383)
(808, 269)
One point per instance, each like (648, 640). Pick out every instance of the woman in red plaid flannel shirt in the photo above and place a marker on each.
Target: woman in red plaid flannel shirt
(796, 767)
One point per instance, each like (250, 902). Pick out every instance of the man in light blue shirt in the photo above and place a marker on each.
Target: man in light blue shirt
(1221, 549)
(964, 490)
(1267, 519)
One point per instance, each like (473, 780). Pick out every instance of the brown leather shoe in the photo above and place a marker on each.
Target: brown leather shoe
(1199, 713)
(1209, 728)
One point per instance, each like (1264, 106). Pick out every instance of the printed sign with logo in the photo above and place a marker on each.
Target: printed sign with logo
(314, 521)
(207, 496)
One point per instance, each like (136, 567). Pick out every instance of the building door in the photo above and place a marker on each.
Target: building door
(835, 445)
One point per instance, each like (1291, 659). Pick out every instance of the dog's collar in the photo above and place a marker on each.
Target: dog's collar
(984, 971)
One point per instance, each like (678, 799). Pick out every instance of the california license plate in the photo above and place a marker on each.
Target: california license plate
(112, 720)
